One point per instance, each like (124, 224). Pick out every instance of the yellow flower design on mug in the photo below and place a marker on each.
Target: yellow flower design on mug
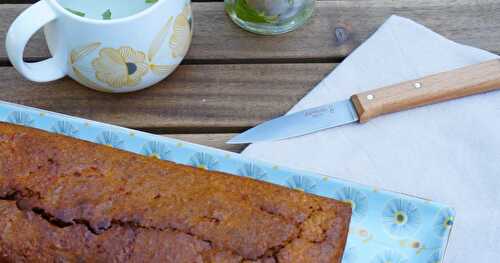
(179, 42)
(123, 67)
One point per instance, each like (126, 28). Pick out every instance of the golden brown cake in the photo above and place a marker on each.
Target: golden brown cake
(64, 199)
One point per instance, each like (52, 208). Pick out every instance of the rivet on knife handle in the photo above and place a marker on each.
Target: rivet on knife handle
(449, 85)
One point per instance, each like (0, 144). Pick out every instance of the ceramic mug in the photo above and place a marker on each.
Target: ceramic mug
(120, 55)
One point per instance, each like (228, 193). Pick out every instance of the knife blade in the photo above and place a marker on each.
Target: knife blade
(469, 80)
(300, 123)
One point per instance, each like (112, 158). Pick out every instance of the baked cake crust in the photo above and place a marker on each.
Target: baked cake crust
(78, 201)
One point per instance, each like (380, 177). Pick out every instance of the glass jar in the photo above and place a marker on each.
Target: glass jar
(270, 17)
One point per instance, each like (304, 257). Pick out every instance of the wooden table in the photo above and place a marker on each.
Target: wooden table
(232, 80)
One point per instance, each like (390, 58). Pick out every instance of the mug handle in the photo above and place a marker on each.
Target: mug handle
(21, 30)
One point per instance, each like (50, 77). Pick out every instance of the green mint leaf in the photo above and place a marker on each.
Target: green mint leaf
(249, 14)
(150, 1)
(106, 15)
(78, 13)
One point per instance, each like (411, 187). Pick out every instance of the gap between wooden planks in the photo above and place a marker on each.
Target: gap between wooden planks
(195, 99)
(335, 30)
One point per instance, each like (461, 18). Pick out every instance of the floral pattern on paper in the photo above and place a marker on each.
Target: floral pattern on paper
(389, 257)
(156, 150)
(301, 183)
(252, 171)
(444, 222)
(20, 118)
(203, 161)
(401, 217)
(109, 139)
(356, 199)
(65, 128)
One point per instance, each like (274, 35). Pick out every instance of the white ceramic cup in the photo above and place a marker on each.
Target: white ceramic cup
(119, 55)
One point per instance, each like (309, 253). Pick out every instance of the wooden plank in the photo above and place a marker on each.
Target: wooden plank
(195, 99)
(336, 29)
(217, 140)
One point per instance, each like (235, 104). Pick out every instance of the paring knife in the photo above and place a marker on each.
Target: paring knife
(364, 106)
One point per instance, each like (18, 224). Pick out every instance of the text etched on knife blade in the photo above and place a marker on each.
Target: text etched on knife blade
(317, 112)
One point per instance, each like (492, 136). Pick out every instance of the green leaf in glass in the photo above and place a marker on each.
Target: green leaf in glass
(107, 15)
(76, 12)
(249, 14)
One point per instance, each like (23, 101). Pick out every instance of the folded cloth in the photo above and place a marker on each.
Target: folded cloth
(447, 152)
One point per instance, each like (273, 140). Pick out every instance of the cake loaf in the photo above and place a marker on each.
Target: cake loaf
(67, 200)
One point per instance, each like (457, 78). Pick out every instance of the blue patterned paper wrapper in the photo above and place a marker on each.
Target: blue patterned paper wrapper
(385, 227)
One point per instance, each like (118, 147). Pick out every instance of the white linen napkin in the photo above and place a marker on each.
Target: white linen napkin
(448, 152)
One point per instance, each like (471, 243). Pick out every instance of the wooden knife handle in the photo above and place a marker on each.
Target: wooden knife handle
(444, 86)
